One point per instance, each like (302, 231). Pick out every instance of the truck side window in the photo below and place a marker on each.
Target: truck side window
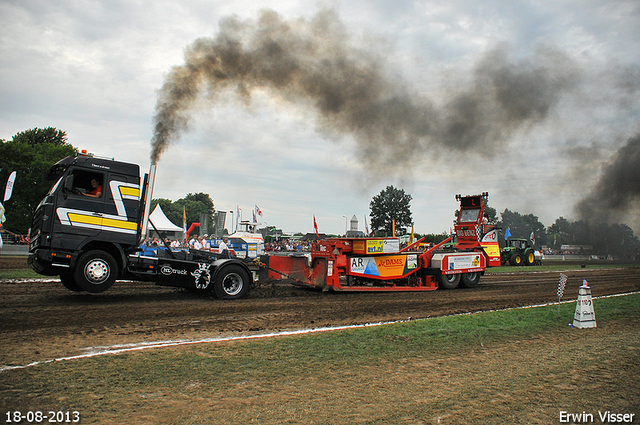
(88, 183)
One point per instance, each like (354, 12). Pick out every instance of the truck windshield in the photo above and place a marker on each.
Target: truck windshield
(468, 216)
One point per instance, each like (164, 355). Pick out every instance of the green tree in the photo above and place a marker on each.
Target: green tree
(560, 233)
(491, 213)
(521, 226)
(30, 154)
(193, 203)
(391, 204)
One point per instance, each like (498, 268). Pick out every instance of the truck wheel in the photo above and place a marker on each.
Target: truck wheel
(69, 283)
(516, 259)
(96, 271)
(231, 283)
(529, 257)
(449, 281)
(469, 280)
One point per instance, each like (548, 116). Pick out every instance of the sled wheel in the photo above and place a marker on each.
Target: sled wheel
(69, 283)
(449, 281)
(231, 283)
(469, 280)
(96, 271)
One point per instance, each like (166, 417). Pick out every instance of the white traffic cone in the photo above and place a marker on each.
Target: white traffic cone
(585, 316)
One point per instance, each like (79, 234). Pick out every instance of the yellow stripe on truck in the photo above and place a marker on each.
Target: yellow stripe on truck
(84, 219)
(130, 191)
(119, 224)
(101, 221)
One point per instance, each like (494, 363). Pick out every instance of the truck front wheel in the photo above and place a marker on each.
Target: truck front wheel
(449, 281)
(69, 282)
(96, 271)
(232, 282)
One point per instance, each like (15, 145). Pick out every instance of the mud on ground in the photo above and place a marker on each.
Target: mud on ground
(42, 320)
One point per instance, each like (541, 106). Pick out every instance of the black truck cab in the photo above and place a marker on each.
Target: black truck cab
(89, 227)
(93, 205)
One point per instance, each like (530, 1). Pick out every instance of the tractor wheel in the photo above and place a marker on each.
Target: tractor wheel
(516, 259)
(69, 283)
(96, 271)
(232, 282)
(449, 281)
(529, 257)
(470, 280)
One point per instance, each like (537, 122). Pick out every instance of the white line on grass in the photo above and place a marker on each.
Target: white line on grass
(124, 348)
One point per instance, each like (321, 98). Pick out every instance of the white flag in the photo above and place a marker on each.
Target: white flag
(2, 217)
(9, 189)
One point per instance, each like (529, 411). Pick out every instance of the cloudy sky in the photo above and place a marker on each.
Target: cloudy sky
(526, 100)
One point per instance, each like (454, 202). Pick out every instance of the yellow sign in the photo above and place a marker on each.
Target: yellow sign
(375, 246)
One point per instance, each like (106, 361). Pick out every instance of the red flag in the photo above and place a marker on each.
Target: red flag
(315, 226)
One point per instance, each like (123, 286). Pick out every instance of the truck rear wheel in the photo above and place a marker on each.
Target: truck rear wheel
(69, 282)
(449, 281)
(96, 271)
(232, 282)
(469, 280)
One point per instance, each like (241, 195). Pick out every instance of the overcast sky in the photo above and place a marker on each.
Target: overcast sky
(94, 69)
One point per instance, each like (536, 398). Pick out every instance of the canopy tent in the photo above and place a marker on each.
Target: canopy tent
(161, 221)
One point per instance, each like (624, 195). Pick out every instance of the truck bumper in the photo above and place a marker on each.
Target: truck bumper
(49, 263)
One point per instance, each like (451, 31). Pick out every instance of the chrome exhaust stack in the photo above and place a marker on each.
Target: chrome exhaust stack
(147, 202)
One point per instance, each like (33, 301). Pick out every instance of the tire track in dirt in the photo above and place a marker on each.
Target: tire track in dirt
(43, 320)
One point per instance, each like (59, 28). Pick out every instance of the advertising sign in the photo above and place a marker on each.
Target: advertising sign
(384, 266)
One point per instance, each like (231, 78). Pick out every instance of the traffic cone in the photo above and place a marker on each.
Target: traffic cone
(585, 316)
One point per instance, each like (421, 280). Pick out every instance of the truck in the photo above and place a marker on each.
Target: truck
(89, 227)
(91, 238)
(381, 264)
(518, 252)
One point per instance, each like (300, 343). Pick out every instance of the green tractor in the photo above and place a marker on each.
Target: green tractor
(518, 252)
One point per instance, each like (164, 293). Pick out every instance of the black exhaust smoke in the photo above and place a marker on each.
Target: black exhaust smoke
(615, 197)
(317, 63)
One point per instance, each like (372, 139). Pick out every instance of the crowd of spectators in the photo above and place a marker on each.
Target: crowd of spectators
(288, 245)
(11, 239)
(204, 243)
(195, 242)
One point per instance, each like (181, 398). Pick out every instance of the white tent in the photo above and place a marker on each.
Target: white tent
(161, 221)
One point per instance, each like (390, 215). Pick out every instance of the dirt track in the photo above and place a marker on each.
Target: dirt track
(43, 320)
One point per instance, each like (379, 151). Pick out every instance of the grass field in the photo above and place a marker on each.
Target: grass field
(518, 366)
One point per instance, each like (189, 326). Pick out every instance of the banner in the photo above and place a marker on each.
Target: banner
(2, 217)
(9, 189)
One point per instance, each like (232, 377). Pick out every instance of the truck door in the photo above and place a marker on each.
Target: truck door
(79, 207)
(121, 204)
